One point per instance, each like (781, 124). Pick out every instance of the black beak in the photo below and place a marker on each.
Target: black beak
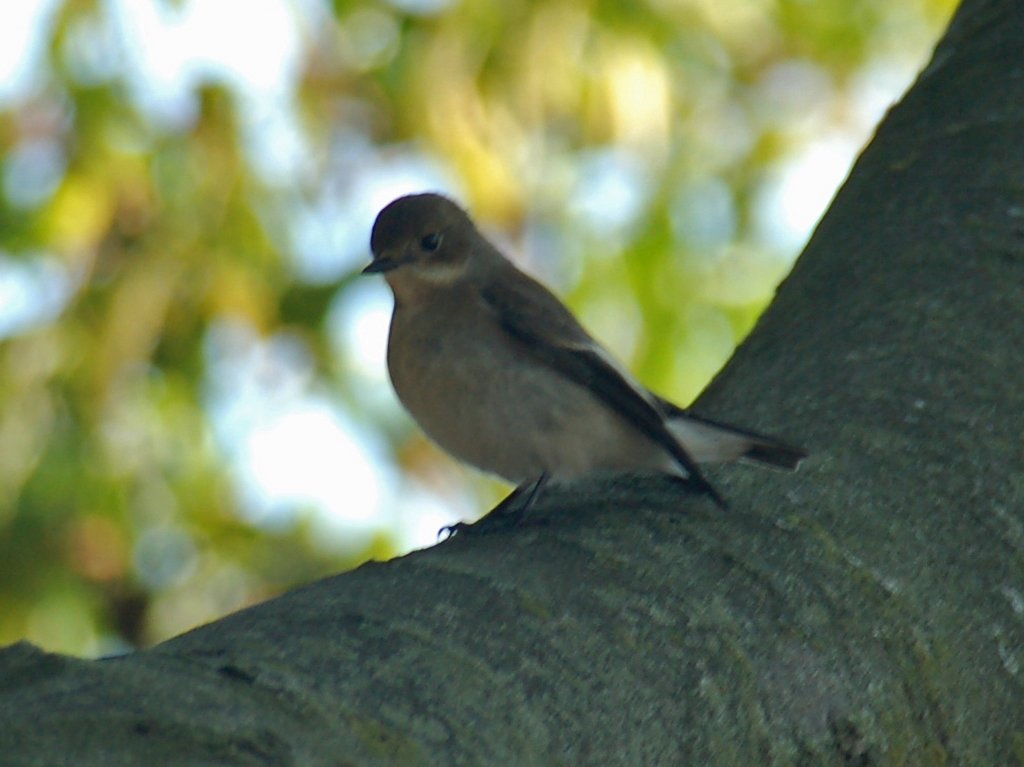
(378, 265)
(383, 264)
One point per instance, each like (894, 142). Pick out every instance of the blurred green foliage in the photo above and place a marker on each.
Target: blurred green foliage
(623, 147)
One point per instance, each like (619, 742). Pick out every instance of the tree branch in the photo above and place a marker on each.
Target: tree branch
(868, 610)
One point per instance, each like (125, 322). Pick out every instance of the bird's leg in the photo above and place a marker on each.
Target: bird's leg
(511, 512)
(523, 511)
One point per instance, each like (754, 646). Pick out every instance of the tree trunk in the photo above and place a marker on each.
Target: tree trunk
(868, 610)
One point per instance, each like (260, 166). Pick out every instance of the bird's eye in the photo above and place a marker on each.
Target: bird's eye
(431, 242)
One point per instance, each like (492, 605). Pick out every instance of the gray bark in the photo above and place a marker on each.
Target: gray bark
(868, 610)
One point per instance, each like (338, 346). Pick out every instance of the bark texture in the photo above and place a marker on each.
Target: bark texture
(868, 610)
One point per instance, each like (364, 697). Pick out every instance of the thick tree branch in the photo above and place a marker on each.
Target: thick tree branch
(868, 610)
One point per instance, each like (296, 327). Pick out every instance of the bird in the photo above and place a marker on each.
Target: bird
(498, 372)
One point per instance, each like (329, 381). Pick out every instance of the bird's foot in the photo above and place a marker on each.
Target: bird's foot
(511, 512)
(492, 522)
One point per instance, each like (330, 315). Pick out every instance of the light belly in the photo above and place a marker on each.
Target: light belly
(488, 403)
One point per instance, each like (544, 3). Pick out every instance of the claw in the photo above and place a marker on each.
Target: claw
(505, 515)
(450, 531)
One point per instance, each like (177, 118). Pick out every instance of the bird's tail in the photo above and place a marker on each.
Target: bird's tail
(710, 441)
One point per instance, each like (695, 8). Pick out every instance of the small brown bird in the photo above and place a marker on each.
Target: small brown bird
(500, 374)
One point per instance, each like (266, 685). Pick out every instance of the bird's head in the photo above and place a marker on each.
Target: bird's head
(423, 241)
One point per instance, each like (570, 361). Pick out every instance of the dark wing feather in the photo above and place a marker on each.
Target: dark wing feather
(532, 315)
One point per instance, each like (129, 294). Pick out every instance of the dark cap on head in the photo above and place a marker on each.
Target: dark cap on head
(413, 217)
